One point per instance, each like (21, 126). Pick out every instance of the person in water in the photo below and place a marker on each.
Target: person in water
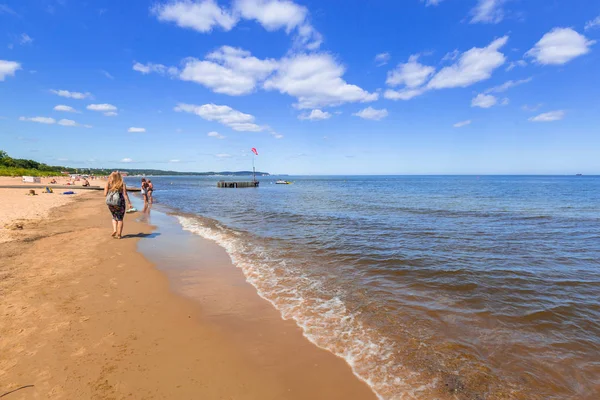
(145, 191)
(149, 191)
(115, 184)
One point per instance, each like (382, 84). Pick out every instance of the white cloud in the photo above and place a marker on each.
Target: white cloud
(102, 107)
(65, 109)
(111, 114)
(529, 108)
(223, 155)
(174, 161)
(474, 65)
(315, 115)
(201, 16)
(411, 74)
(484, 101)
(273, 14)
(67, 122)
(505, 101)
(462, 123)
(72, 95)
(382, 59)
(488, 11)
(126, 160)
(507, 85)
(136, 130)
(25, 39)
(225, 115)
(8, 68)
(316, 81)
(52, 121)
(513, 64)
(156, 68)
(39, 120)
(372, 113)
(405, 94)
(216, 135)
(595, 23)
(560, 46)
(229, 70)
(431, 2)
(451, 56)
(204, 15)
(549, 116)
(107, 74)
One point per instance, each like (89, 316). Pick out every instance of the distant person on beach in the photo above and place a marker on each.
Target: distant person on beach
(145, 191)
(150, 190)
(85, 183)
(117, 199)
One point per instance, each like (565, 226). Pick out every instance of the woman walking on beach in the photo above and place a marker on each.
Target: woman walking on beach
(115, 192)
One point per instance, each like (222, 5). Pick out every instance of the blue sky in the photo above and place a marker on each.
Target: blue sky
(318, 87)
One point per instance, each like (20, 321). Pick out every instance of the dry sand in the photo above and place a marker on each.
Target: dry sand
(85, 316)
(17, 208)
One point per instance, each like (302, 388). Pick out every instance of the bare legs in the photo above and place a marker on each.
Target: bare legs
(117, 229)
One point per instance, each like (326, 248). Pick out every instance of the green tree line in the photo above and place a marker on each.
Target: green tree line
(19, 166)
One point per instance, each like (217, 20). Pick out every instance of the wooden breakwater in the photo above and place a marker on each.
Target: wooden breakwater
(223, 184)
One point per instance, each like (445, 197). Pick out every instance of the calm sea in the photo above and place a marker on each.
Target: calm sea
(468, 287)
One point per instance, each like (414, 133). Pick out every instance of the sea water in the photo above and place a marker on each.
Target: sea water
(428, 286)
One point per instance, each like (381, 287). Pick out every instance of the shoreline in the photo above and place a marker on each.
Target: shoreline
(88, 316)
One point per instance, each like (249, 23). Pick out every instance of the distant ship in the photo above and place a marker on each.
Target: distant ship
(282, 182)
(579, 175)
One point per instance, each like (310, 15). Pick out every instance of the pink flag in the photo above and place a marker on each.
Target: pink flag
(254, 151)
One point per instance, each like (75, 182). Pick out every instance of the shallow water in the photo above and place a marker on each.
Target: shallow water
(430, 287)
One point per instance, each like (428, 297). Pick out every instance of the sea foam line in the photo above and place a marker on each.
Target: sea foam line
(326, 322)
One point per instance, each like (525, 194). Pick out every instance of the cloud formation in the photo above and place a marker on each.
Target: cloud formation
(228, 70)
(472, 66)
(559, 46)
(549, 116)
(65, 109)
(372, 113)
(316, 81)
(133, 129)
(488, 12)
(315, 115)
(8, 68)
(108, 109)
(225, 115)
(52, 121)
(595, 23)
(382, 59)
(411, 74)
(484, 101)
(216, 135)
(462, 123)
(205, 15)
(71, 95)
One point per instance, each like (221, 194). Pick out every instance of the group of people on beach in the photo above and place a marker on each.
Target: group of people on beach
(118, 201)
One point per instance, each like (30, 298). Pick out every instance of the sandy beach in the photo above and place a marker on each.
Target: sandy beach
(87, 316)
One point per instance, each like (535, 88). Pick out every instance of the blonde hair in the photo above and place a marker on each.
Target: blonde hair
(115, 181)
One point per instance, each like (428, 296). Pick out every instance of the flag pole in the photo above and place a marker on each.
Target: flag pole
(253, 170)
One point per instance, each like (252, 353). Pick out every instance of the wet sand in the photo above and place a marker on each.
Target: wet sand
(87, 316)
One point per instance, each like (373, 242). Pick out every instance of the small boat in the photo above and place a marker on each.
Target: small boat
(282, 182)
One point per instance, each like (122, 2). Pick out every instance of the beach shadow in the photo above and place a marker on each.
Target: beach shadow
(141, 235)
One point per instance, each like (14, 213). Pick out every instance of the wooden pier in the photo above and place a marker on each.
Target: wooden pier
(223, 184)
